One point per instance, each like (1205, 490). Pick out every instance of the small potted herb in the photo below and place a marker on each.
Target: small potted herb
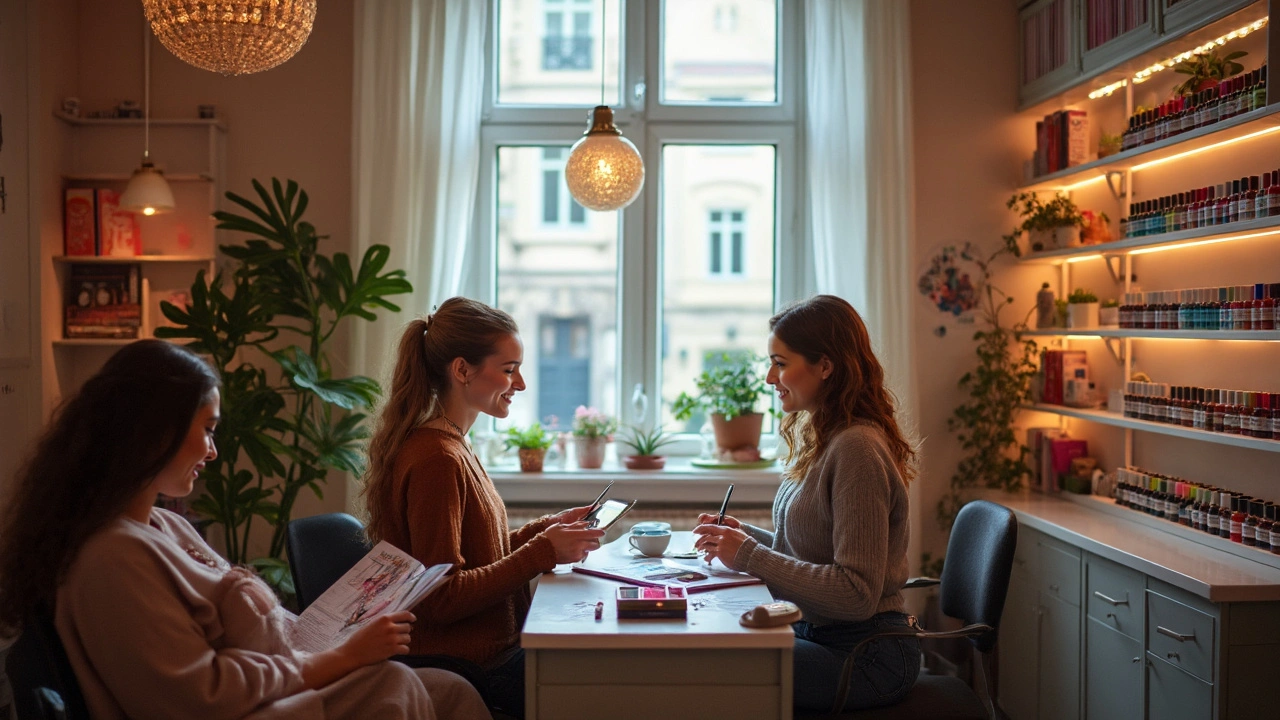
(1082, 309)
(645, 443)
(729, 392)
(532, 444)
(1109, 144)
(592, 431)
(1048, 225)
(1109, 313)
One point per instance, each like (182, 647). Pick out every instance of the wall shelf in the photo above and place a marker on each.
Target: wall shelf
(1257, 335)
(1261, 227)
(93, 342)
(106, 260)
(1118, 420)
(1251, 124)
(130, 122)
(124, 177)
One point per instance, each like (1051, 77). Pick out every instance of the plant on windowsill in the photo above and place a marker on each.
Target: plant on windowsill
(1048, 225)
(532, 444)
(729, 392)
(288, 418)
(592, 431)
(1082, 309)
(645, 443)
(1206, 70)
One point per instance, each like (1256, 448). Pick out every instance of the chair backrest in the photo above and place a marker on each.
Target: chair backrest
(321, 548)
(44, 685)
(975, 577)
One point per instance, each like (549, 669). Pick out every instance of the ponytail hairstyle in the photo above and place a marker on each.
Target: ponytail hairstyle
(102, 447)
(459, 328)
(826, 325)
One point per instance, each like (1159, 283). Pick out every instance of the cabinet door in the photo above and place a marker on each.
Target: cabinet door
(1019, 648)
(1176, 695)
(1049, 56)
(1112, 674)
(1059, 676)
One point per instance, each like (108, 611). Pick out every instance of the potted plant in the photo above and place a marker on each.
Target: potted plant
(1096, 228)
(1048, 225)
(645, 443)
(1109, 144)
(728, 391)
(1206, 70)
(1082, 309)
(592, 431)
(532, 444)
(1109, 313)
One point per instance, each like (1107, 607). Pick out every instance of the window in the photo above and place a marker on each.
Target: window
(726, 237)
(621, 310)
(567, 40)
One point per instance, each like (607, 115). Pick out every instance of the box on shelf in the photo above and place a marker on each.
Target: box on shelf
(1038, 442)
(103, 301)
(79, 223)
(1060, 366)
(118, 232)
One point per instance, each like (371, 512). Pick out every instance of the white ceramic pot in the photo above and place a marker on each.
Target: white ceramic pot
(1109, 316)
(1082, 315)
(1064, 236)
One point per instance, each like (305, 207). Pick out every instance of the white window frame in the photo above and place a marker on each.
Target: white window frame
(649, 126)
(726, 227)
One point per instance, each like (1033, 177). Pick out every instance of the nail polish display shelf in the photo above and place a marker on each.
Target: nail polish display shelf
(1111, 332)
(1245, 229)
(1118, 420)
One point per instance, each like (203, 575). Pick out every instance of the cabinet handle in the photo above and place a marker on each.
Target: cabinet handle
(1111, 616)
(1137, 659)
(1175, 635)
(1053, 587)
(1172, 656)
(1111, 601)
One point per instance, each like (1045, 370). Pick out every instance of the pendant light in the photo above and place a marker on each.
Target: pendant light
(147, 192)
(237, 38)
(604, 171)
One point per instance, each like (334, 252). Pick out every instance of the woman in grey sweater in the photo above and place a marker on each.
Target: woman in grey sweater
(839, 550)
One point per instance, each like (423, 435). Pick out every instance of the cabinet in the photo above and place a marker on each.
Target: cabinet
(102, 153)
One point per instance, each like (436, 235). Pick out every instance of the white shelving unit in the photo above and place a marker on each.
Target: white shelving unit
(1111, 332)
(1117, 420)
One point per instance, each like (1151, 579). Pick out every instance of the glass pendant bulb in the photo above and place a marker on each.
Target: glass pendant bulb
(147, 192)
(604, 171)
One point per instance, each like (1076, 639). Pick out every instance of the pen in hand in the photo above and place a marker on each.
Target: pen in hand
(724, 505)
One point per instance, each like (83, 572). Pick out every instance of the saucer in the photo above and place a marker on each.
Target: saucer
(718, 465)
(685, 555)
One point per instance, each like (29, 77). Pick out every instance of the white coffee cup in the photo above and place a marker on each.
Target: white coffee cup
(650, 544)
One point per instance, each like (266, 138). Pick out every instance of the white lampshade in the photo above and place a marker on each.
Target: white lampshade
(604, 171)
(147, 192)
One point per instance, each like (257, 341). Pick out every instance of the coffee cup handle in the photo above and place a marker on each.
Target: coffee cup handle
(631, 540)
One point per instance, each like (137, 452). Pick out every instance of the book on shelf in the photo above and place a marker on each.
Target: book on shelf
(1057, 367)
(386, 580)
(103, 301)
(119, 234)
(79, 223)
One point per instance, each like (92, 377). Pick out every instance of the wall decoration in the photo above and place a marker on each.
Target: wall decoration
(952, 280)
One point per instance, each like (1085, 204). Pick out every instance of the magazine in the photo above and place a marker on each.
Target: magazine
(693, 574)
(387, 580)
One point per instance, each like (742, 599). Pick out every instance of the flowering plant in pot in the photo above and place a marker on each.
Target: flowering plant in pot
(645, 443)
(532, 444)
(1048, 225)
(592, 430)
(729, 391)
(1082, 309)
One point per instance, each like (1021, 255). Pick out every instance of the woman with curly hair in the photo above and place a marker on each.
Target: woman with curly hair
(839, 550)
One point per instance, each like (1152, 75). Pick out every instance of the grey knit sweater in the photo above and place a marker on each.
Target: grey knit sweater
(840, 546)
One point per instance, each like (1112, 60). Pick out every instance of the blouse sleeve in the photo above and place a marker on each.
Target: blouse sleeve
(436, 496)
(151, 654)
(861, 499)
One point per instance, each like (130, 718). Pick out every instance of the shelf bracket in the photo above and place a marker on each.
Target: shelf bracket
(1115, 266)
(1116, 346)
(1116, 182)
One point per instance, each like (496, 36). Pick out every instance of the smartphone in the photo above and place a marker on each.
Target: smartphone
(607, 513)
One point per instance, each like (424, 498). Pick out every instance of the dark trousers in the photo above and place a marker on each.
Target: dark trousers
(884, 670)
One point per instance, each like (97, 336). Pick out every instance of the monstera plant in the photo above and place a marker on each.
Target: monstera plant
(288, 419)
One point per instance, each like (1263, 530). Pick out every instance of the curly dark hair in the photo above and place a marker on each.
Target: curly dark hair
(828, 326)
(101, 448)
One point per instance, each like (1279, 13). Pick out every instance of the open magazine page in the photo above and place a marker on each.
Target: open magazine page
(386, 580)
(692, 574)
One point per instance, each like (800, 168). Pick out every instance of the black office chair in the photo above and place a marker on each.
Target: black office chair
(975, 580)
(44, 685)
(321, 548)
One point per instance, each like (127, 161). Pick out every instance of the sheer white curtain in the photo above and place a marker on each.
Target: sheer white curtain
(418, 97)
(858, 133)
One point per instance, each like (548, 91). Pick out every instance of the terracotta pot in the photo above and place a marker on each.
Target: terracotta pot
(590, 451)
(645, 462)
(531, 459)
(741, 432)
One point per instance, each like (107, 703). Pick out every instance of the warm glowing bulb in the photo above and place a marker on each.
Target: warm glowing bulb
(148, 211)
(604, 171)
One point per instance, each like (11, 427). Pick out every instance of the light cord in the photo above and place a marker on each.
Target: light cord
(146, 90)
(604, 9)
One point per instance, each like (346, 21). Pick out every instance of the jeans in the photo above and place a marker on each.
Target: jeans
(506, 683)
(884, 670)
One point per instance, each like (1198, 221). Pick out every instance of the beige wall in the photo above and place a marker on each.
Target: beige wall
(292, 122)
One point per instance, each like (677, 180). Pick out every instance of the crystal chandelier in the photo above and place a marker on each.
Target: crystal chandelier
(232, 38)
(604, 171)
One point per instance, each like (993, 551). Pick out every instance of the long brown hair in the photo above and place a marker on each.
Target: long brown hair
(826, 325)
(460, 328)
(102, 447)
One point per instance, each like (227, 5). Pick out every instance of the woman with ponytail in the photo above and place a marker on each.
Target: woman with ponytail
(839, 550)
(155, 624)
(426, 492)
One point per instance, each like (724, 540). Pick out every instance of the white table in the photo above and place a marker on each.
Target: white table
(704, 666)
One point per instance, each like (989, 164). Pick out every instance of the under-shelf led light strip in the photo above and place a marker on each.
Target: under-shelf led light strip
(1145, 74)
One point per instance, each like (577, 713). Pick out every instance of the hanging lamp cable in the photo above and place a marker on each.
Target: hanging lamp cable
(146, 90)
(604, 10)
